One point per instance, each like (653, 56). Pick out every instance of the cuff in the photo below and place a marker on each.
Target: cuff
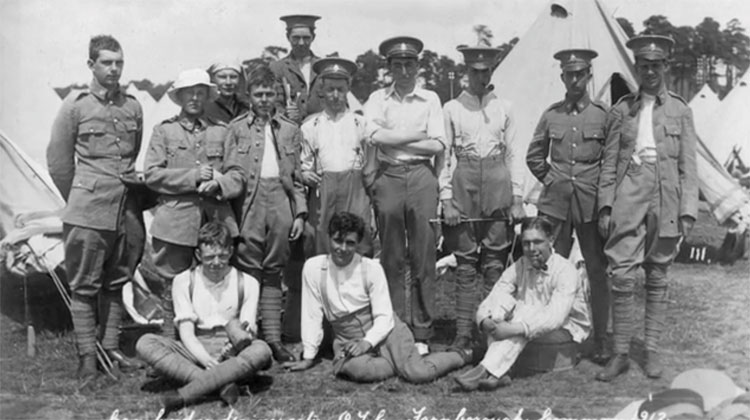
(309, 352)
(446, 194)
(526, 330)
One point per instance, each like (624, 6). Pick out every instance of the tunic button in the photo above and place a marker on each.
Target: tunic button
(574, 145)
(573, 178)
(117, 140)
(257, 144)
(256, 158)
(115, 120)
(575, 128)
(572, 161)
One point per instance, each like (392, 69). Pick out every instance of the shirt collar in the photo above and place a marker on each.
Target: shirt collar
(191, 124)
(274, 118)
(578, 105)
(474, 99)
(661, 96)
(101, 92)
(417, 92)
(545, 268)
(334, 117)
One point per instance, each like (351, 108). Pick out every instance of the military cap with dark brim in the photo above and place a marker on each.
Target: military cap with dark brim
(300, 21)
(480, 58)
(575, 59)
(671, 403)
(334, 67)
(401, 47)
(651, 47)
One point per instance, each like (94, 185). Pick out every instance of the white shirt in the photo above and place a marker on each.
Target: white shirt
(417, 111)
(347, 293)
(269, 167)
(645, 145)
(214, 304)
(333, 143)
(556, 294)
(480, 129)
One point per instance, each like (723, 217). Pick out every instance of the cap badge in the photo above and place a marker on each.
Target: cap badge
(335, 67)
(403, 46)
(652, 47)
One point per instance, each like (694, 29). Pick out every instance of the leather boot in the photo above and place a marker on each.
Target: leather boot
(171, 401)
(280, 353)
(229, 393)
(86, 367)
(469, 380)
(600, 354)
(493, 382)
(125, 363)
(616, 366)
(652, 366)
(461, 342)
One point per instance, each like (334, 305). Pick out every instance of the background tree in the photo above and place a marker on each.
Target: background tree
(626, 26)
(484, 35)
(369, 76)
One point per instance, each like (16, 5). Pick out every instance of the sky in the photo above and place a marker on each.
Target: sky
(43, 43)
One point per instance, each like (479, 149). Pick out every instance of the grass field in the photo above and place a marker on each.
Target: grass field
(709, 326)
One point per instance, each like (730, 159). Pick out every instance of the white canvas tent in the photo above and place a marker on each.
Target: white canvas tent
(587, 24)
(530, 77)
(730, 124)
(704, 104)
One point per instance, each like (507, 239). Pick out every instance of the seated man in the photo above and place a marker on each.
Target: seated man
(538, 297)
(370, 342)
(209, 299)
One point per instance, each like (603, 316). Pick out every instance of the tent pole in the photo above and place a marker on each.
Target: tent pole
(30, 333)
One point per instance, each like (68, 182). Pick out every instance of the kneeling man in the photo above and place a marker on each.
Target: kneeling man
(540, 297)
(210, 302)
(351, 291)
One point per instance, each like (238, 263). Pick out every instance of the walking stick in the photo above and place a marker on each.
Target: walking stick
(101, 354)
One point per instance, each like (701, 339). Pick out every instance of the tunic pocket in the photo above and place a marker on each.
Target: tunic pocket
(672, 132)
(592, 145)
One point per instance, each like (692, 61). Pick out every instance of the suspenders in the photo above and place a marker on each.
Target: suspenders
(240, 287)
(324, 282)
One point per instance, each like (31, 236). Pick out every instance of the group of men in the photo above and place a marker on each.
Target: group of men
(239, 184)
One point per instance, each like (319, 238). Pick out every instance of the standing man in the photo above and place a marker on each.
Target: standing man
(571, 133)
(481, 178)
(228, 105)
(95, 140)
(185, 157)
(295, 71)
(405, 122)
(271, 208)
(648, 198)
(333, 154)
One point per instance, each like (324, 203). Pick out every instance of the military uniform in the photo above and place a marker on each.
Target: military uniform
(95, 140)
(220, 112)
(649, 181)
(306, 95)
(571, 134)
(266, 206)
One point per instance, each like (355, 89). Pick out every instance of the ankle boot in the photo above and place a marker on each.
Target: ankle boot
(86, 367)
(652, 366)
(616, 366)
(469, 380)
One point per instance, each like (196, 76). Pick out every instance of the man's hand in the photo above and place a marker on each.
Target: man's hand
(209, 362)
(488, 326)
(451, 215)
(686, 225)
(310, 178)
(357, 348)
(504, 330)
(209, 188)
(298, 365)
(517, 213)
(206, 173)
(292, 112)
(604, 220)
(297, 227)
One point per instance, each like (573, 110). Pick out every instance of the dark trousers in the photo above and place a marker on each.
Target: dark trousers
(98, 263)
(592, 248)
(405, 198)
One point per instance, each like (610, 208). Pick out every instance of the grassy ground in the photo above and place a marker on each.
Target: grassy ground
(708, 327)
